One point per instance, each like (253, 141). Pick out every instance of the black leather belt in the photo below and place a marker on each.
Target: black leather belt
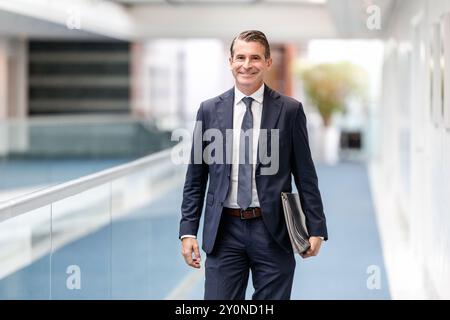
(250, 213)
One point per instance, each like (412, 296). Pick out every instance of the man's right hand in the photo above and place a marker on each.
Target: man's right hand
(189, 246)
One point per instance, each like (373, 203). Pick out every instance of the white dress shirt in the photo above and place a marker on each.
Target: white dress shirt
(238, 116)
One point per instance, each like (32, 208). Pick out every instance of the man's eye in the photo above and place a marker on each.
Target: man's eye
(240, 58)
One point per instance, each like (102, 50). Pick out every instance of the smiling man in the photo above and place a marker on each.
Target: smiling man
(244, 226)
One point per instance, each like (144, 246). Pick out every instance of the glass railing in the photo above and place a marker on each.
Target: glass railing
(109, 235)
(44, 151)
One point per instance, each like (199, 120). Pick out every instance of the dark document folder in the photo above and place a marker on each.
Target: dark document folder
(295, 222)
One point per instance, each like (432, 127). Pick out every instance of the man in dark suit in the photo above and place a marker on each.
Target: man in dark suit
(244, 225)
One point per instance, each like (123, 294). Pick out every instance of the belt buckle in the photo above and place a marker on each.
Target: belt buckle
(253, 211)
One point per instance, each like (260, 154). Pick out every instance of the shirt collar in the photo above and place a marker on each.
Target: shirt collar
(258, 95)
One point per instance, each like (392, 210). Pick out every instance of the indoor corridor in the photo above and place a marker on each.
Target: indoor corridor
(99, 99)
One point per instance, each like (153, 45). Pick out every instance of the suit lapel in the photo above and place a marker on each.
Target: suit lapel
(224, 110)
(224, 113)
(271, 109)
(270, 114)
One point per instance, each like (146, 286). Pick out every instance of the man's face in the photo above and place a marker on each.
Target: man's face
(249, 65)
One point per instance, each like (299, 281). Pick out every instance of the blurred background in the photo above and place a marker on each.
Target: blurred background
(91, 91)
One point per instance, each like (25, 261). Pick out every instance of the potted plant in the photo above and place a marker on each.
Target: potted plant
(329, 87)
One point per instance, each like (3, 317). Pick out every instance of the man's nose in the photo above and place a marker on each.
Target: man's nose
(247, 63)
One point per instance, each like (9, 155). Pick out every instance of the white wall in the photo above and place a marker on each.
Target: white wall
(13, 95)
(413, 155)
(18, 78)
(4, 53)
(207, 72)
(177, 75)
(3, 95)
(13, 78)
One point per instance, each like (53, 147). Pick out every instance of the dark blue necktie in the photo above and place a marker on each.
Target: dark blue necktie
(244, 196)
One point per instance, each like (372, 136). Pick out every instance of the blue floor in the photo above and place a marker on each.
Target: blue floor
(340, 270)
(139, 258)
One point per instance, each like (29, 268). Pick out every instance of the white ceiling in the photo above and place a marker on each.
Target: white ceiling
(281, 20)
(102, 18)
(350, 17)
(214, 2)
(280, 23)
(16, 25)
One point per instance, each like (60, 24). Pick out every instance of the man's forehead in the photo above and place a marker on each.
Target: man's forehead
(251, 47)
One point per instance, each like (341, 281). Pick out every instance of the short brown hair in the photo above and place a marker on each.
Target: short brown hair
(252, 35)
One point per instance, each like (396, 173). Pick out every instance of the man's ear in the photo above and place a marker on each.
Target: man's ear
(230, 60)
(269, 63)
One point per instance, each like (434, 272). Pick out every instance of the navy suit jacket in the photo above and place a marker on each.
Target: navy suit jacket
(279, 112)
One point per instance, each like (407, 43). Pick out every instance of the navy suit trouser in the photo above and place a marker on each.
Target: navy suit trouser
(241, 246)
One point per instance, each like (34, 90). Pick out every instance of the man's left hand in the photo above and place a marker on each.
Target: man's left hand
(313, 251)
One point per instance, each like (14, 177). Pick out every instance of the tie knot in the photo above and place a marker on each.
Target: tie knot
(248, 102)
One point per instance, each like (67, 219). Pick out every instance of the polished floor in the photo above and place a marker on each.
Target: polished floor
(139, 257)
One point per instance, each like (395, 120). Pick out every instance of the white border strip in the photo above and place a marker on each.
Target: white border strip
(40, 198)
